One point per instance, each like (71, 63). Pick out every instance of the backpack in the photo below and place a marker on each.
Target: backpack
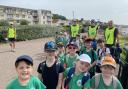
(101, 52)
(57, 66)
(92, 53)
(97, 81)
(71, 71)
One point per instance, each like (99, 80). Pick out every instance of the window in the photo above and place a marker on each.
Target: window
(9, 16)
(23, 16)
(43, 17)
(2, 15)
(29, 16)
(17, 15)
(18, 21)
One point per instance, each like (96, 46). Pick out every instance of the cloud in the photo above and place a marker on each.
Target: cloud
(98, 9)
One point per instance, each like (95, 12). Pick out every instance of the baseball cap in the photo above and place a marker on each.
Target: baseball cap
(85, 58)
(73, 44)
(108, 60)
(25, 58)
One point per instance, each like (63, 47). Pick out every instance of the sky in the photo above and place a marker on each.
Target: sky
(103, 10)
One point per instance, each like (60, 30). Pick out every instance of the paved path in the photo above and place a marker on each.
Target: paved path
(34, 48)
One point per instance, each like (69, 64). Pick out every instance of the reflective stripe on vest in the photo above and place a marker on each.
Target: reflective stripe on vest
(74, 30)
(109, 35)
(92, 31)
(11, 32)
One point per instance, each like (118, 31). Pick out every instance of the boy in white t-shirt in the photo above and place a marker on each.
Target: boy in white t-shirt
(101, 52)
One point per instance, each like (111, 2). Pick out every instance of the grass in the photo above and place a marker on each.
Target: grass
(123, 40)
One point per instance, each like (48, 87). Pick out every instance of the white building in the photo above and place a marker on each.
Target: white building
(15, 14)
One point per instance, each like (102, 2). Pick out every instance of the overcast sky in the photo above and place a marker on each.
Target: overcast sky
(105, 10)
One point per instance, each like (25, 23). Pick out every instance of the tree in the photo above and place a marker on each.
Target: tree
(56, 16)
(4, 23)
(24, 22)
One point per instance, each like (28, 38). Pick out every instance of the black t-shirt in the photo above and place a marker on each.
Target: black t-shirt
(51, 74)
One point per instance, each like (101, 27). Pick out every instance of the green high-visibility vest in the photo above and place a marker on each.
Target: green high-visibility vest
(11, 32)
(109, 35)
(74, 30)
(92, 32)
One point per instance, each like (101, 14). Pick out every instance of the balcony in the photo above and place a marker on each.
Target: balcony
(10, 18)
(35, 19)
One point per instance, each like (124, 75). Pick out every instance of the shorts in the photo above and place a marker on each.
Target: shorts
(11, 39)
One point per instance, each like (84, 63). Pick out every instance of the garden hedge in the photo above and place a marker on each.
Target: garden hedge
(31, 32)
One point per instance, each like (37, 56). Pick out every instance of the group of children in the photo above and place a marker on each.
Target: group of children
(68, 67)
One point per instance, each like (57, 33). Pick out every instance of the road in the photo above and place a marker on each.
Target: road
(34, 48)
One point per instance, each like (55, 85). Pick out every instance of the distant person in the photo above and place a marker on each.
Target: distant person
(87, 49)
(61, 52)
(25, 79)
(74, 30)
(92, 29)
(71, 56)
(101, 52)
(12, 36)
(92, 33)
(111, 36)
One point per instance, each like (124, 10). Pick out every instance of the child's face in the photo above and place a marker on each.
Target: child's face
(51, 53)
(82, 66)
(101, 44)
(72, 49)
(107, 70)
(61, 48)
(88, 45)
(77, 37)
(24, 70)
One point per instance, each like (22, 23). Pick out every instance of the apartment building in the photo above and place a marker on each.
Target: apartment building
(15, 14)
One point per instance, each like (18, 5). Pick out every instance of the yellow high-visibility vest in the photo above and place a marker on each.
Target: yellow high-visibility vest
(11, 32)
(92, 32)
(109, 35)
(74, 30)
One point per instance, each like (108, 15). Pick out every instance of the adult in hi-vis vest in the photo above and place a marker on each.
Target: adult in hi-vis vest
(74, 30)
(111, 36)
(92, 33)
(11, 36)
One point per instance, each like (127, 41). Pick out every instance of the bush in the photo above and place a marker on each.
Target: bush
(24, 22)
(25, 32)
(4, 23)
(35, 32)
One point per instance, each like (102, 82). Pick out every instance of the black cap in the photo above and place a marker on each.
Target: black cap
(72, 43)
(25, 58)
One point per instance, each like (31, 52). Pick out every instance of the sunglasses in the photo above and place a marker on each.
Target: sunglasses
(72, 47)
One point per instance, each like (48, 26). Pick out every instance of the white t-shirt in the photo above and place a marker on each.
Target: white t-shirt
(101, 53)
